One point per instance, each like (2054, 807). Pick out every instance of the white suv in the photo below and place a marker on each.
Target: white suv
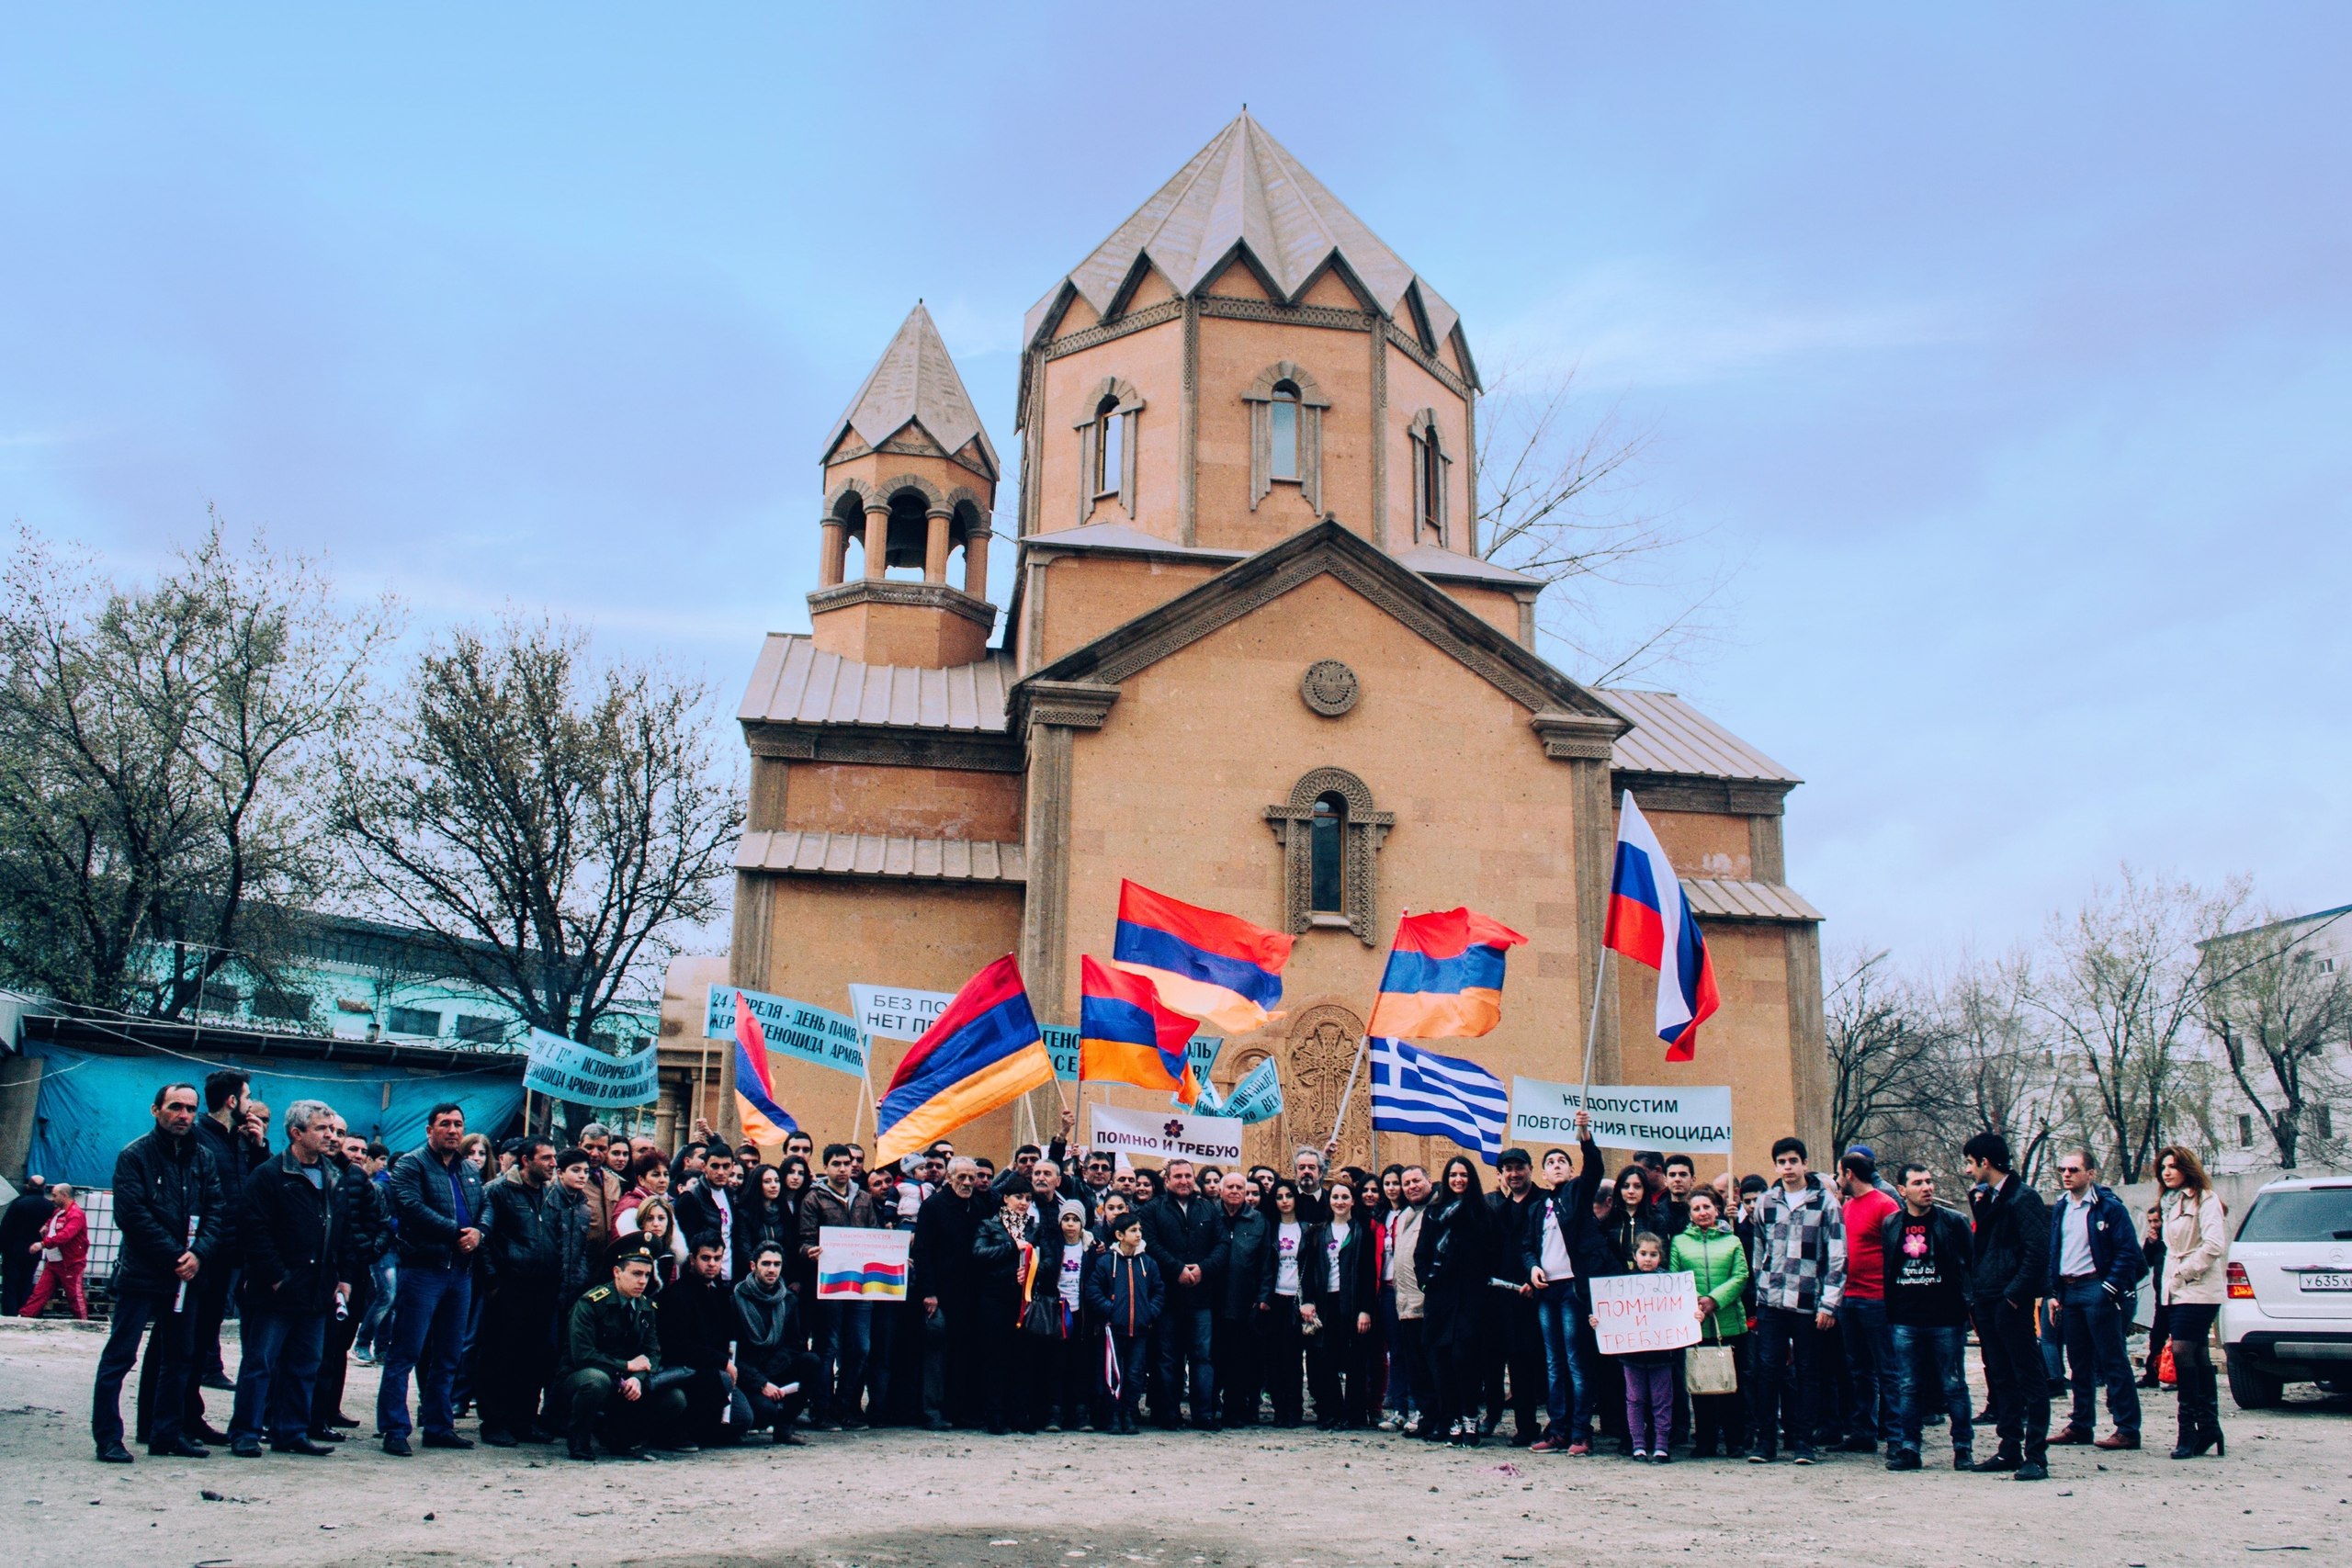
(2287, 1317)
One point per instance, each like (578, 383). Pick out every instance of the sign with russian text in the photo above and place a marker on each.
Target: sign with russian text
(1061, 1044)
(1257, 1097)
(1678, 1120)
(566, 1069)
(794, 1031)
(894, 1013)
(1644, 1311)
(856, 1265)
(1166, 1134)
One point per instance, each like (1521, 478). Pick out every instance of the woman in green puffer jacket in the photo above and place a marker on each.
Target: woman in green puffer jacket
(1710, 1251)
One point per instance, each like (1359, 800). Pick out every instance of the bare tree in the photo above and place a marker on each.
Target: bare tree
(1886, 1055)
(2277, 1009)
(1553, 502)
(2122, 983)
(2000, 1074)
(162, 766)
(552, 823)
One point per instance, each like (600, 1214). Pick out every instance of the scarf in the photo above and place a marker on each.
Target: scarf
(763, 1308)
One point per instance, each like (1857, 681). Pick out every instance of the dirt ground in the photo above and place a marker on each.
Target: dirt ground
(897, 1499)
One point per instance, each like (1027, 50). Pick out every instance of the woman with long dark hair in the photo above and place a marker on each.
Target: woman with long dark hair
(2197, 1239)
(761, 1215)
(1342, 1286)
(1633, 1213)
(1281, 1324)
(1452, 1261)
(799, 1269)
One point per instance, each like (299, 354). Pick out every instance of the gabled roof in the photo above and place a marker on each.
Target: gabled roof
(914, 382)
(794, 683)
(1245, 190)
(1670, 736)
(1326, 548)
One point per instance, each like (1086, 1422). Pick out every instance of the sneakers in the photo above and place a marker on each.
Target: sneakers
(1579, 1450)
(1641, 1456)
(1547, 1446)
(1803, 1456)
(1662, 1457)
(1760, 1456)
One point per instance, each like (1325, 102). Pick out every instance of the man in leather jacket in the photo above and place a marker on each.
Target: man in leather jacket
(167, 1205)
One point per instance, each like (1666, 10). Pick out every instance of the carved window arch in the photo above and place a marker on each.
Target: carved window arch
(1334, 804)
(1431, 464)
(1106, 447)
(1285, 395)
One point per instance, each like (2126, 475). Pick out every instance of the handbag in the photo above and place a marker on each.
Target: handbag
(1042, 1318)
(1711, 1368)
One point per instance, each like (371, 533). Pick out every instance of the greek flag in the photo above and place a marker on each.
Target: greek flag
(1415, 1091)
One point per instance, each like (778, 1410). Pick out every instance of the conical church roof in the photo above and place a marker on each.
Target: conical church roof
(1245, 188)
(914, 381)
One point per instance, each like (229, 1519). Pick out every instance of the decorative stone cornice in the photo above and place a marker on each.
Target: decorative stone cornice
(1067, 704)
(917, 595)
(963, 751)
(1681, 792)
(1117, 327)
(1578, 736)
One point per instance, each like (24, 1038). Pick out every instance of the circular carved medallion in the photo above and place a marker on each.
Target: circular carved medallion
(1329, 687)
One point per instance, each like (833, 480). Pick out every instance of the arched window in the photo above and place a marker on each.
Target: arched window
(1285, 434)
(1106, 447)
(1429, 465)
(1327, 880)
(1282, 424)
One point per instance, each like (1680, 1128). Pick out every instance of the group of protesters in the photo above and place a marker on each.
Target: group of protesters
(614, 1295)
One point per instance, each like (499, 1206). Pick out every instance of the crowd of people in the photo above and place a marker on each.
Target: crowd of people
(612, 1294)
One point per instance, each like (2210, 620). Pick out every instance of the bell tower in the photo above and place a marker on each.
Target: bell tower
(910, 477)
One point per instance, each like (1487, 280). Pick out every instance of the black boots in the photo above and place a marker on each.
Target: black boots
(2200, 1413)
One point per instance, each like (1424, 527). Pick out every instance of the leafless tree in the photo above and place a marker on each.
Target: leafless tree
(553, 823)
(2000, 1074)
(2121, 984)
(1554, 502)
(2277, 1009)
(164, 766)
(1886, 1056)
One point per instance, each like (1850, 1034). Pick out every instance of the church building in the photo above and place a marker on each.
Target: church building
(1231, 637)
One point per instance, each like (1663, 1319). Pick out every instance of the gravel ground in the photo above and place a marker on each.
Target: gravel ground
(891, 1499)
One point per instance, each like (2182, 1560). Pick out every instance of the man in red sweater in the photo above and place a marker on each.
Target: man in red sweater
(1862, 1318)
(64, 1252)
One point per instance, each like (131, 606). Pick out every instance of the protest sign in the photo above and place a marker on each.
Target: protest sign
(1061, 1044)
(566, 1069)
(794, 1031)
(856, 1265)
(1644, 1311)
(1165, 1135)
(893, 1012)
(1257, 1097)
(1683, 1120)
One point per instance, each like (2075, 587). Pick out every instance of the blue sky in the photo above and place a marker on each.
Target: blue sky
(2000, 357)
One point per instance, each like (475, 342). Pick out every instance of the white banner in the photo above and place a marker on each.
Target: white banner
(893, 1012)
(1674, 1120)
(1167, 1135)
(854, 1264)
(1644, 1311)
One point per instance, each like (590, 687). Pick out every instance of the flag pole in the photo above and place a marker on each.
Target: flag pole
(1592, 1030)
(1346, 1092)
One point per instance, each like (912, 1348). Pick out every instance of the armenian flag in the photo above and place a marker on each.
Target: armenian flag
(1125, 1035)
(1444, 979)
(1651, 923)
(1215, 967)
(984, 1051)
(765, 1123)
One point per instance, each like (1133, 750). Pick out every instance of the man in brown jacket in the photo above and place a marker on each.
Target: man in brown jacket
(844, 1329)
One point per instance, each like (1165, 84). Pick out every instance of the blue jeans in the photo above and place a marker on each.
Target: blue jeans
(2092, 1324)
(170, 1349)
(1870, 1356)
(428, 1329)
(1922, 1355)
(844, 1334)
(385, 1274)
(277, 1367)
(1184, 1333)
(1569, 1391)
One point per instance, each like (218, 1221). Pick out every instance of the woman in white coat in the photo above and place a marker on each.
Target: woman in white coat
(2196, 1233)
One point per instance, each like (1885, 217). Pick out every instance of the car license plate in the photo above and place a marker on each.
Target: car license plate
(2339, 1279)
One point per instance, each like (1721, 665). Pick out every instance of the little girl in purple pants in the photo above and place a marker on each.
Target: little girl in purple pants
(1650, 1376)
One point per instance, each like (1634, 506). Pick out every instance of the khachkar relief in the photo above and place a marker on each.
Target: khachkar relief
(1320, 1055)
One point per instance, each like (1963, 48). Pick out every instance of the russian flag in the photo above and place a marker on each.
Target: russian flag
(983, 1052)
(1444, 979)
(1215, 967)
(765, 1123)
(872, 1278)
(1125, 1035)
(1646, 904)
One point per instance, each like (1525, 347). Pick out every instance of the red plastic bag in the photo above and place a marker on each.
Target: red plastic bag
(2167, 1373)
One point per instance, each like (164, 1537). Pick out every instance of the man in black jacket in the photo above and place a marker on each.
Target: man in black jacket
(942, 1279)
(1561, 1248)
(363, 1231)
(227, 1093)
(526, 1251)
(771, 1379)
(1517, 1343)
(167, 1206)
(1929, 1257)
(2009, 1274)
(696, 1316)
(294, 1268)
(1241, 1274)
(1181, 1229)
(437, 1200)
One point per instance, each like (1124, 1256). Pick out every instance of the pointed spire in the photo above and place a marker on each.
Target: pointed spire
(1245, 188)
(914, 382)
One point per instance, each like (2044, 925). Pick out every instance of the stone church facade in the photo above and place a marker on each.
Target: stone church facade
(1251, 657)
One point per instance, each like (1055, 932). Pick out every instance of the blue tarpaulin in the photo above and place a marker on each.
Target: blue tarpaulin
(92, 1105)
